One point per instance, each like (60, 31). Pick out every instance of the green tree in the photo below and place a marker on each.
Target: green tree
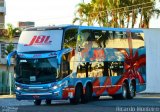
(147, 13)
(116, 13)
(84, 14)
(100, 13)
(145, 10)
(10, 31)
(17, 32)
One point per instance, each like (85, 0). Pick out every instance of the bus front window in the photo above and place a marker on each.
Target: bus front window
(37, 70)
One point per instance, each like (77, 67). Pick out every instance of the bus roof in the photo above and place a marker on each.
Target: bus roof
(111, 29)
(82, 28)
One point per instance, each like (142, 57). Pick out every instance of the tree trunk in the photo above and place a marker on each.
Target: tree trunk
(128, 20)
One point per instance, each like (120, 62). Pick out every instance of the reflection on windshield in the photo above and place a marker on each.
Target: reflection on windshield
(37, 70)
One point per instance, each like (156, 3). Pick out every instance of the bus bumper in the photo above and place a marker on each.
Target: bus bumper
(41, 96)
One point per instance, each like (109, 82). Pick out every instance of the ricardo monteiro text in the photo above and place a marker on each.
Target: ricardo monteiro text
(137, 109)
(125, 109)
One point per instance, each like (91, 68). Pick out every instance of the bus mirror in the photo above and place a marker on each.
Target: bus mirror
(9, 57)
(60, 54)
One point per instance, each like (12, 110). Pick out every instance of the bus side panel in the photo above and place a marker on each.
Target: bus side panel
(120, 58)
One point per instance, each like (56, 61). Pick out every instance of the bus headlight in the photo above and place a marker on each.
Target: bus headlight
(63, 84)
(18, 88)
(55, 87)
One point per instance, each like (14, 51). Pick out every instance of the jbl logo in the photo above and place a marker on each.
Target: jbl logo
(39, 40)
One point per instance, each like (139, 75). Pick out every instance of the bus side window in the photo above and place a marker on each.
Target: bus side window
(70, 38)
(116, 68)
(81, 70)
(106, 69)
(86, 38)
(95, 69)
(101, 38)
(65, 66)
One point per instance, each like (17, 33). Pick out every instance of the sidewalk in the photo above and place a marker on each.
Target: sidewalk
(7, 96)
(148, 95)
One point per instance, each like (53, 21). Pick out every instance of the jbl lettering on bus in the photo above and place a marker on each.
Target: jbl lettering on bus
(39, 40)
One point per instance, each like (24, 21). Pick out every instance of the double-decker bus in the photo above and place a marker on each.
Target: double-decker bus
(79, 63)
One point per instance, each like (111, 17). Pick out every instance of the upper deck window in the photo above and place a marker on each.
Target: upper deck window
(70, 38)
(110, 39)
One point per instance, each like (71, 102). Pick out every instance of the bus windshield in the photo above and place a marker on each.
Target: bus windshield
(47, 40)
(37, 70)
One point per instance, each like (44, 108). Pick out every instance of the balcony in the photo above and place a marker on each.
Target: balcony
(2, 9)
(2, 6)
(1, 25)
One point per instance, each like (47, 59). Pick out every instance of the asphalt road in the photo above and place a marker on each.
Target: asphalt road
(141, 103)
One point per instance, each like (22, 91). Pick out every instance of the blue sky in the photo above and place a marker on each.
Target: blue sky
(48, 12)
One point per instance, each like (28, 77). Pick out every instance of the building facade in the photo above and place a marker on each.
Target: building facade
(25, 24)
(3, 61)
(2, 13)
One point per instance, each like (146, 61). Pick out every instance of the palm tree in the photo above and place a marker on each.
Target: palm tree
(114, 13)
(100, 12)
(84, 14)
(147, 11)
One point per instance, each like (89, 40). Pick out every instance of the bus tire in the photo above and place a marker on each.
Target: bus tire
(95, 98)
(37, 102)
(132, 90)
(48, 102)
(77, 97)
(124, 93)
(88, 94)
(116, 97)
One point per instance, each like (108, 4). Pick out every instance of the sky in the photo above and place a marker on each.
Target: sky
(43, 12)
(49, 12)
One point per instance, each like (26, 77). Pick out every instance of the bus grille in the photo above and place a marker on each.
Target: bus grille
(35, 90)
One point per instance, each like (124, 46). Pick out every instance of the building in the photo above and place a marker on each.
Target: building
(2, 14)
(3, 61)
(26, 24)
(3, 45)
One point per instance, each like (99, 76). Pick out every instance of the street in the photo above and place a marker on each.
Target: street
(141, 103)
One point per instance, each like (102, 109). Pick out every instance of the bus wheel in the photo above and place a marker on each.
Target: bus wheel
(48, 102)
(116, 97)
(77, 97)
(132, 91)
(95, 98)
(88, 94)
(37, 102)
(124, 93)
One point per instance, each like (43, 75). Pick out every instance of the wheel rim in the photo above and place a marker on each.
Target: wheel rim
(124, 91)
(132, 90)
